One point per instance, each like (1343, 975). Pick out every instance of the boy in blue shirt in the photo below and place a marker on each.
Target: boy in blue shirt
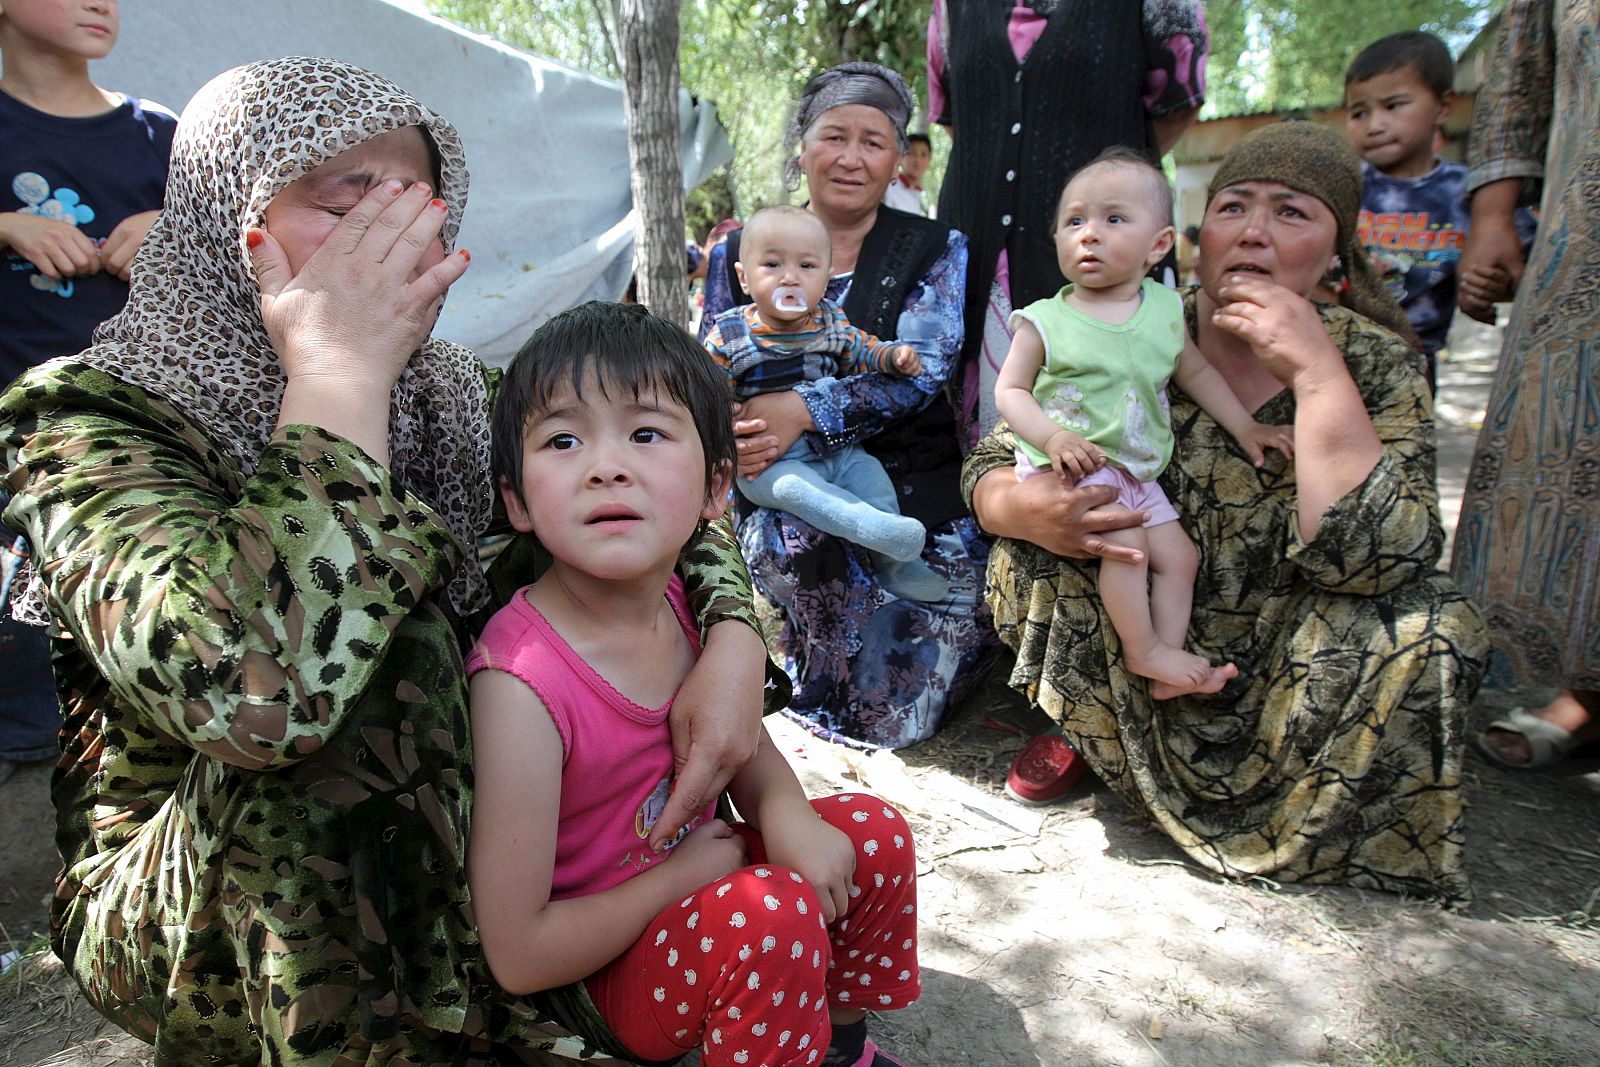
(82, 176)
(1414, 215)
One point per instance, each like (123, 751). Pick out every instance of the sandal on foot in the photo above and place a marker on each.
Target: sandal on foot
(1043, 772)
(1548, 744)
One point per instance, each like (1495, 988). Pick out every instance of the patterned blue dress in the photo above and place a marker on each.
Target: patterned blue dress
(870, 669)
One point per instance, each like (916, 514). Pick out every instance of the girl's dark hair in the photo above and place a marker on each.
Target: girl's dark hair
(630, 352)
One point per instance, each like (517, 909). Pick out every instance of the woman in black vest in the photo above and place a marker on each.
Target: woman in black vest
(869, 668)
(1031, 92)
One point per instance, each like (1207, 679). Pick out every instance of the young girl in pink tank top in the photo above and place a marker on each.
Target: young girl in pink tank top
(762, 942)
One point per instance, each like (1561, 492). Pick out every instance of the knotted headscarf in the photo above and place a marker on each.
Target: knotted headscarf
(1318, 162)
(848, 83)
(191, 332)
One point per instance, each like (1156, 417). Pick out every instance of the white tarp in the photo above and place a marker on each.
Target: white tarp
(549, 219)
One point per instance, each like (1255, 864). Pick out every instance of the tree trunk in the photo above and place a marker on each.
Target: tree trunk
(648, 35)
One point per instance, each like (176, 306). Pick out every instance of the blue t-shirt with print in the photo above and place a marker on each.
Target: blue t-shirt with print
(1415, 230)
(90, 173)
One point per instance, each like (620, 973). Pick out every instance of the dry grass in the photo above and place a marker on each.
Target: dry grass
(46, 1021)
(1447, 1025)
(36, 998)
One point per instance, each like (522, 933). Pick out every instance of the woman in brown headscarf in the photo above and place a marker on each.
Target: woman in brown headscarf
(1335, 754)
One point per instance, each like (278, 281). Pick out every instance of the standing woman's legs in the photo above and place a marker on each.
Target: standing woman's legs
(30, 718)
(1577, 711)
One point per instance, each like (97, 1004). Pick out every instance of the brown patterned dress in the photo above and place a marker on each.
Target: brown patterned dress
(1335, 755)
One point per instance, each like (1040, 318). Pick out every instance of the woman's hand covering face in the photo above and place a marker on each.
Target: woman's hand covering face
(351, 268)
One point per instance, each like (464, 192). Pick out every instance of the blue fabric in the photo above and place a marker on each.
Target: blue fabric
(846, 493)
(828, 346)
(870, 669)
(716, 297)
(93, 173)
(849, 410)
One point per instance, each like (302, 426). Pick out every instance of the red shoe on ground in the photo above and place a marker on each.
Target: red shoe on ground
(1044, 771)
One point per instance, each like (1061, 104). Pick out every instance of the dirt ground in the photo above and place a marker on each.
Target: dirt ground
(1077, 935)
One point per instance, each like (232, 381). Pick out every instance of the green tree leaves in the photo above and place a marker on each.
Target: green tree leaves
(1278, 55)
(753, 56)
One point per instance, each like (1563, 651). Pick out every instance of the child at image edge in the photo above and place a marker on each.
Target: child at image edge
(760, 943)
(1414, 214)
(82, 175)
(790, 333)
(905, 190)
(1084, 386)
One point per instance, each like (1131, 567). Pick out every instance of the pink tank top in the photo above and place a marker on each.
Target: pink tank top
(616, 756)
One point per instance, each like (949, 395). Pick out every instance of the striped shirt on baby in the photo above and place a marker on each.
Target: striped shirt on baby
(760, 359)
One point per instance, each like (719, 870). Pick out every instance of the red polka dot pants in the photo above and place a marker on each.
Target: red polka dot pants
(745, 969)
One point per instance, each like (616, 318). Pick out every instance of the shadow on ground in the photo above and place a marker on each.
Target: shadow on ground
(1078, 935)
(1105, 935)
(990, 1028)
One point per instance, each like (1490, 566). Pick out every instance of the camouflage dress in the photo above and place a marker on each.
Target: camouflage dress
(265, 788)
(1335, 755)
(264, 795)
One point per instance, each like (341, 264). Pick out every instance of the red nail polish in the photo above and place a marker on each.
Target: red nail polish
(440, 204)
(465, 254)
(253, 238)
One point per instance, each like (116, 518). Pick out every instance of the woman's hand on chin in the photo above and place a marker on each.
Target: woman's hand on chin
(1335, 445)
(1283, 328)
(366, 300)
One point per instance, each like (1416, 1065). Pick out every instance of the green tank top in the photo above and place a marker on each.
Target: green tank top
(1108, 381)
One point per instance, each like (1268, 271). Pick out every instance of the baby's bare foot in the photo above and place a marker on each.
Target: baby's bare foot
(1216, 678)
(1170, 666)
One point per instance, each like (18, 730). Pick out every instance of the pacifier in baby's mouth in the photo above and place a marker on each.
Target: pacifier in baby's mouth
(790, 298)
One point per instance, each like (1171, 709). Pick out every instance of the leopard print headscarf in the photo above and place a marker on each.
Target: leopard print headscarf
(192, 333)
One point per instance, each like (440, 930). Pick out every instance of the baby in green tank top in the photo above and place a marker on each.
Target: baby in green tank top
(1084, 389)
